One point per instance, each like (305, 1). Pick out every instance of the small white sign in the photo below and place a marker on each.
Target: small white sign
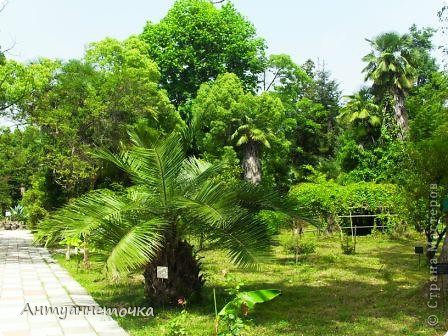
(8, 214)
(162, 272)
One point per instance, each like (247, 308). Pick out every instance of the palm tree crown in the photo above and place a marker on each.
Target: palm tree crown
(360, 109)
(361, 115)
(390, 63)
(390, 67)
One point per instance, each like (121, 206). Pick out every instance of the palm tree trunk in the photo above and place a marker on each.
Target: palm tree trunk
(443, 258)
(252, 162)
(401, 115)
(184, 278)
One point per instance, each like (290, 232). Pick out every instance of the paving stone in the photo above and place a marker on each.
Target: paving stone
(29, 275)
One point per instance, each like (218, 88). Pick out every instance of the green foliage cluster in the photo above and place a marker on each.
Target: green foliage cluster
(427, 152)
(331, 199)
(196, 41)
(36, 202)
(275, 220)
(298, 245)
(19, 154)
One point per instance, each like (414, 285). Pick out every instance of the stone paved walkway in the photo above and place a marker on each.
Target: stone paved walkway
(28, 274)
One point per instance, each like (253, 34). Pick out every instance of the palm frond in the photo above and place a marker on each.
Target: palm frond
(246, 238)
(244, 139)
(210, 203)
(195, 172)
(84, 215)
(157, 167)
(137, 246)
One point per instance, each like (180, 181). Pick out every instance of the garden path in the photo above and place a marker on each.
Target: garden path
(29, 275)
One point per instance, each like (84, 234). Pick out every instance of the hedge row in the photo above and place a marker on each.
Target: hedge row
(330, 198)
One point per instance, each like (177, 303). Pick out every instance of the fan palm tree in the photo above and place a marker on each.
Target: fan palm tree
(390, 67)
(361, 114)
(173, 199)
(252, 139)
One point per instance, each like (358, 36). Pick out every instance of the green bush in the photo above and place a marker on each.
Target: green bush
(328, 199)
(33, 214)
(275, 220)
(298, 245)
(33, 203)
(347, 245)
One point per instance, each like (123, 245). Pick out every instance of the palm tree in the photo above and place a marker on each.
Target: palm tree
(251, 139)
(173, 199)
(361, 114)
(390, 67)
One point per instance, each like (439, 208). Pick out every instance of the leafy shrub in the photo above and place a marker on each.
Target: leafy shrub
(33, 214)
(347, 245)
(175, 326)
(34, 201)
(328, 199)
(274, 220)
(298, 245)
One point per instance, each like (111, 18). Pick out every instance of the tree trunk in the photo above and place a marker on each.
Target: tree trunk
(401, 115)
(68, 252)
(86, 252)
(184, 278)
(443, 258)
(252, 163)
(86, 261)
(331, 224)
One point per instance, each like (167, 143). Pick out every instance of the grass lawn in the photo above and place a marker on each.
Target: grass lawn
(378, 291)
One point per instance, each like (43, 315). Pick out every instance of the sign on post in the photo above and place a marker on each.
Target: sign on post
(162, 272)
(442, 268)
(419, 250)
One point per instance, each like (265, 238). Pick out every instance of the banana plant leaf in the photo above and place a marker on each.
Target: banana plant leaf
(249, 299)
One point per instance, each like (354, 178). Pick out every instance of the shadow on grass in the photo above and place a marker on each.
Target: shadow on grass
(380, 298)
(337, 305)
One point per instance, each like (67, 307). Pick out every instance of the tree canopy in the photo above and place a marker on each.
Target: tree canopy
(196, 41)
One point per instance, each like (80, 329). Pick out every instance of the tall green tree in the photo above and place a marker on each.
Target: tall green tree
(21, 155)
(230, 116)
(88, 103)
(127, 91)
(391, 67)
(311, 101)
(428, 147)
(196, 41)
